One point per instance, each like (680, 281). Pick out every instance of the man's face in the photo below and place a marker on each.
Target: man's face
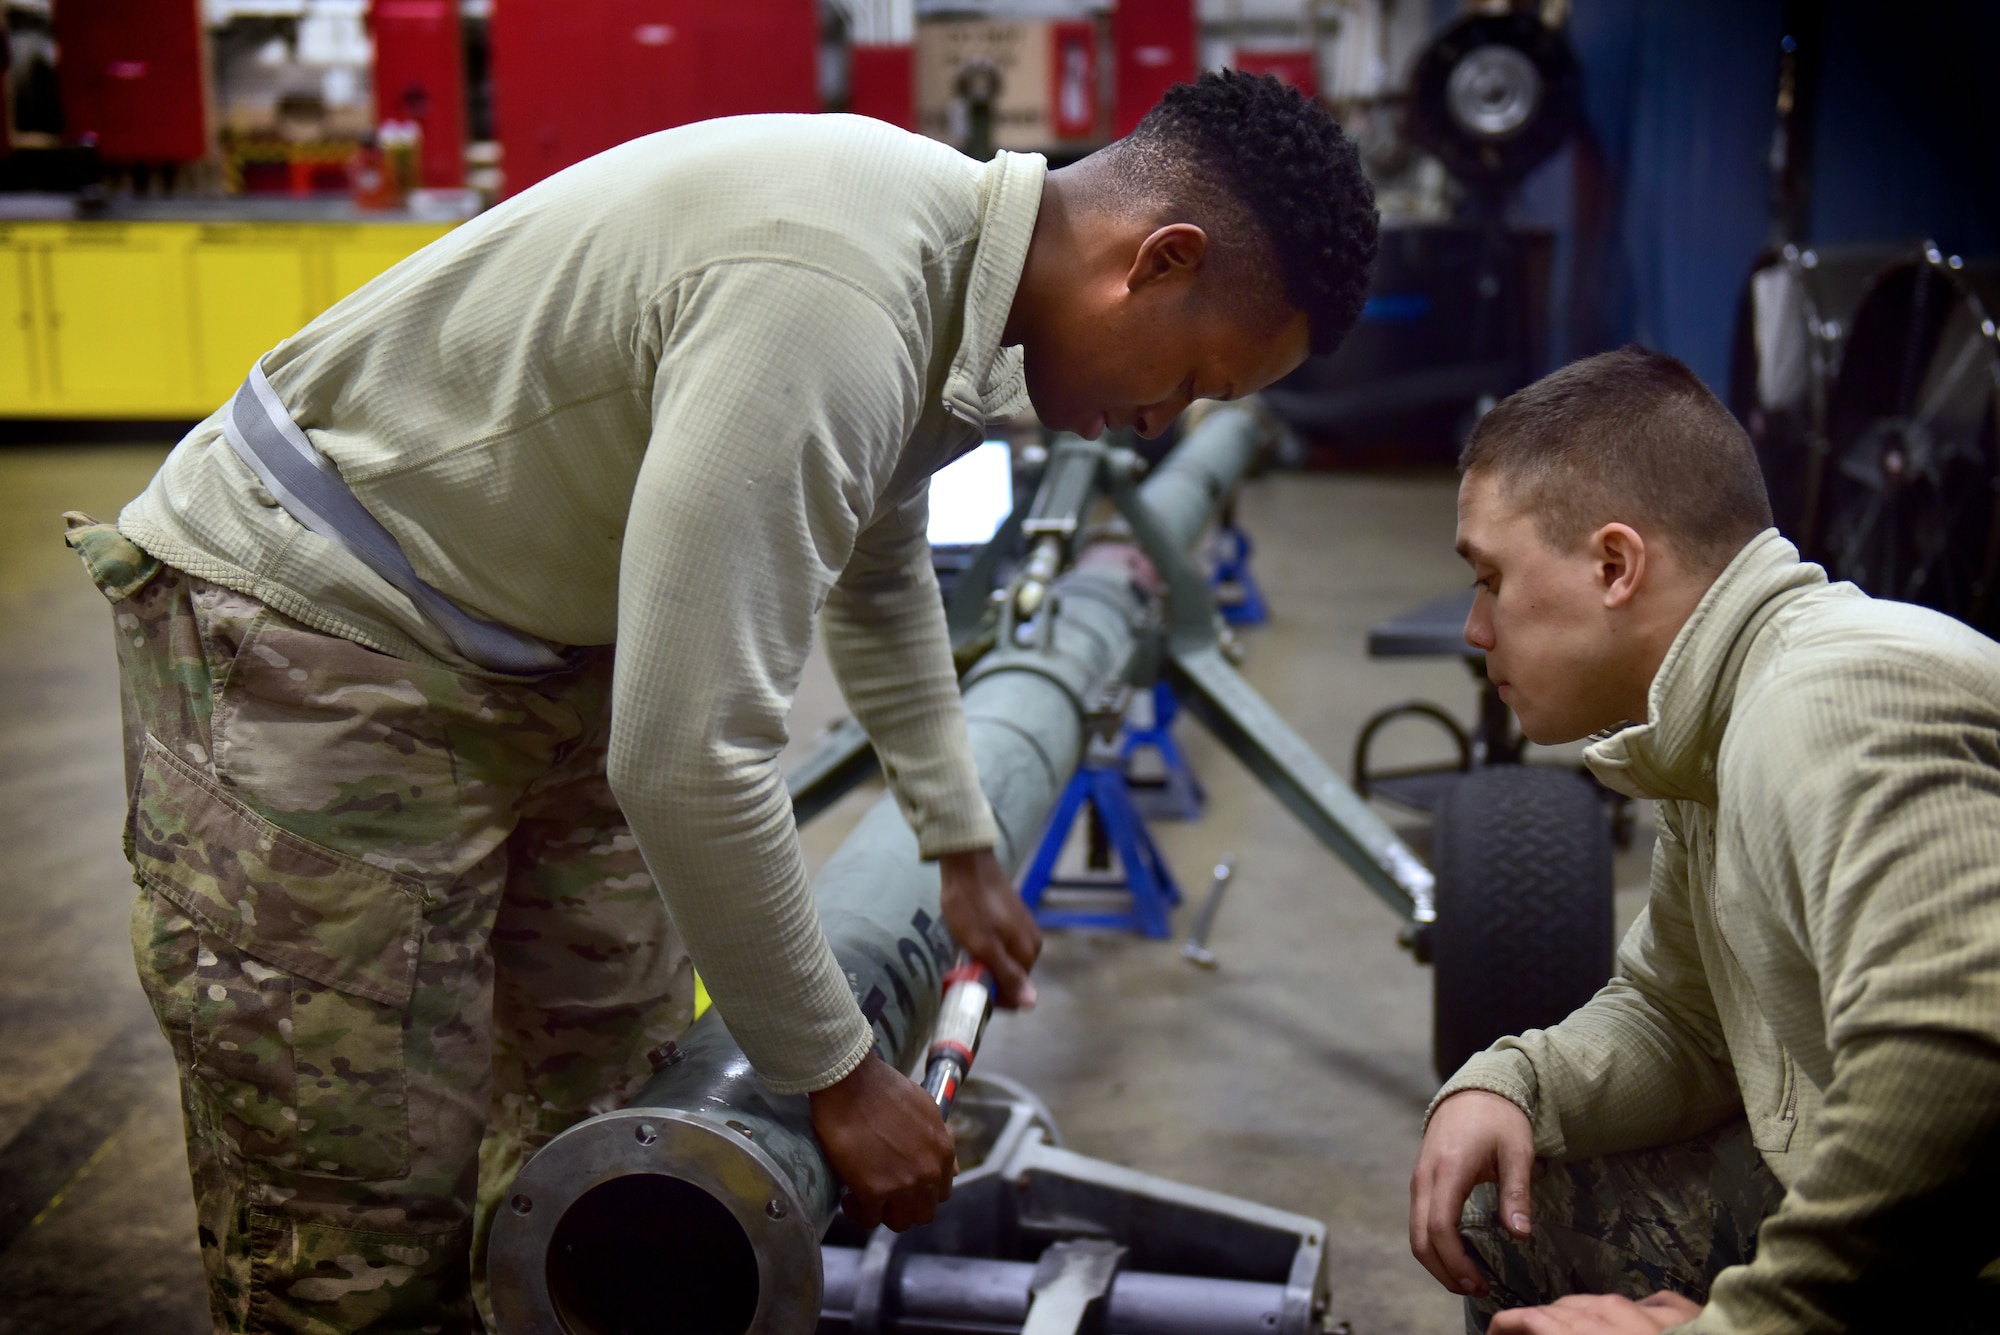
(1119, 357)
(1540, 616)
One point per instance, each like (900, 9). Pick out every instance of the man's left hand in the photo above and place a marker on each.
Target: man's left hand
(986, 916)
(1597, 1314)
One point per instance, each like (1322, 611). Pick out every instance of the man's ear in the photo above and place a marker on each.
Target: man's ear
(1171, 253)
(1620, 556)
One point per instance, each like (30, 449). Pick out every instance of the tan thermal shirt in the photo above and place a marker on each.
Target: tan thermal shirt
(1820, 950)
(685, 396)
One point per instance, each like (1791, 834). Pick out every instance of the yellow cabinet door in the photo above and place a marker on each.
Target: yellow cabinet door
(252, 288)
(360, 252)
(22, 379)
(164, 319)
(118, 320)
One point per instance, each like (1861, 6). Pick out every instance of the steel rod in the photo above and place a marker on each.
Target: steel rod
(954, 1293)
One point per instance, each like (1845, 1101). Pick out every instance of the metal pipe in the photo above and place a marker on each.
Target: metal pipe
(705, 1122)
(1188, 488)
(964, 1294)
(1195, 949)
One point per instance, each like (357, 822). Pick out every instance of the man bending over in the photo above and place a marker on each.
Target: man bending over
(408, 834)
(1782, 1114)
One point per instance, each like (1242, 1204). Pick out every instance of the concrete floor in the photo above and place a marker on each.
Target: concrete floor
(1295, 1075)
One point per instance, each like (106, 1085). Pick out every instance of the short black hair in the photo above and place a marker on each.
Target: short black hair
(1632, 437)
(1283, 159)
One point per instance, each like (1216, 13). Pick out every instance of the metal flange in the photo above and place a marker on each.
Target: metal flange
(599, 1231)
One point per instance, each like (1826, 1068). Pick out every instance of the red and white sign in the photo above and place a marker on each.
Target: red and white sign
(1073, 79)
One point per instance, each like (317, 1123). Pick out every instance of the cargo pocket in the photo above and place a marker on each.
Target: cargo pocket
(302, 986)
(308, 1275)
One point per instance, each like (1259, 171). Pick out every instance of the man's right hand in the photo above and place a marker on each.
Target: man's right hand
(1474, 1137)
(884, 1139)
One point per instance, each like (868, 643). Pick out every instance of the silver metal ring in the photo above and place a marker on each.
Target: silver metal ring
(527, 1279)
(1494, 91)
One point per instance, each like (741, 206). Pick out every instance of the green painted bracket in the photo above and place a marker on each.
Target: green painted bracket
(1211, 689)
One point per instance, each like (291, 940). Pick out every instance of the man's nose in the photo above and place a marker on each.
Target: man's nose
(1478, 629)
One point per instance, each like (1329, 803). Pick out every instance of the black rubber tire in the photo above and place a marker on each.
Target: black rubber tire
(1524, 920)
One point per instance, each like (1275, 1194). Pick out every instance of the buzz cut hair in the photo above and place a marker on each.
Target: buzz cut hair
(1632, 437)
(1269, 174)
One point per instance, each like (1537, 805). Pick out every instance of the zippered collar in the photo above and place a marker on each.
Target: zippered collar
(985, 381)
(1673, 754)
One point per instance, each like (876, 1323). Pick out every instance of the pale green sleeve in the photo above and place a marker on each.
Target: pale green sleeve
(1641, 1063)
(781, 401)
(891, 652)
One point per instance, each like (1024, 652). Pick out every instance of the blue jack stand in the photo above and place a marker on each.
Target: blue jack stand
(1151, 885)
(1238, 598)
(1177, 795)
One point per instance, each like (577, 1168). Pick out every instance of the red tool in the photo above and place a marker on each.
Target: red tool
(968, 1004)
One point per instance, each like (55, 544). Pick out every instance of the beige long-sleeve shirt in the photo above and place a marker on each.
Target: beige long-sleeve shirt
(1820, 950)
(685, 396)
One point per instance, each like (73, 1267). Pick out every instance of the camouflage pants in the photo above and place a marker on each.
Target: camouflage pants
(1670, 1217)
(396, 930)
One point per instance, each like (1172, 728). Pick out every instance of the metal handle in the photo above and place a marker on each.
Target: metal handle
(1195, 949)
(968, 1004)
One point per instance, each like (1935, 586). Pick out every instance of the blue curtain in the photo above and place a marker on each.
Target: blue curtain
(1663, 200)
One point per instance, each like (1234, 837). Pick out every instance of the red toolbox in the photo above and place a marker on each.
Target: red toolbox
(573, 77)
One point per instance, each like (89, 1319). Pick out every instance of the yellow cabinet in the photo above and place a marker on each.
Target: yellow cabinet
(251, 287)
(116, 319)
(358, 253)
(161, 319)
(21, 374)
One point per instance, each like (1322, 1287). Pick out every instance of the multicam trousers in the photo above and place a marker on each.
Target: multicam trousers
(1672, 1217)
(396, 930)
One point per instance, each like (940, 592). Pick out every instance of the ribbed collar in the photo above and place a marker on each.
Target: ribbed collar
(1673, 754)
(985, 381)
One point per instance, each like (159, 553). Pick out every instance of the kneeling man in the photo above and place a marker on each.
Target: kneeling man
(1783, 1111)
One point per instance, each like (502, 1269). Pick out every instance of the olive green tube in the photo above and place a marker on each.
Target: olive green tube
(705, 1126)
